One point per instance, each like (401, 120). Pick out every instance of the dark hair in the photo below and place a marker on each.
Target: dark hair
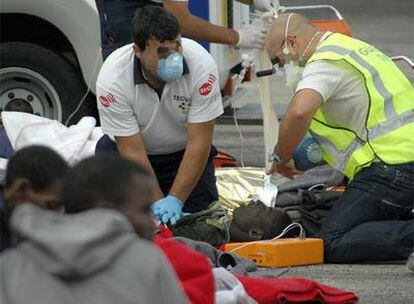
(102, 179)
(270, 221)
(154, 22)
(39, 164)
(275, 223)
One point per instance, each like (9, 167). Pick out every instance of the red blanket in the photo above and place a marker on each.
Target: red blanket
(192, 268)
(194, 272)
(294, 290)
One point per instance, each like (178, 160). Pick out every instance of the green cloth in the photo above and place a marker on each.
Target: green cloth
(211, 225)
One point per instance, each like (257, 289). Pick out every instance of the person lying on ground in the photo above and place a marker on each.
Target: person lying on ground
(248, 223)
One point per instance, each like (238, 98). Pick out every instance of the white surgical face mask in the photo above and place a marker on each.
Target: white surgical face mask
(293, 71)
(171, 68)
(293, 74)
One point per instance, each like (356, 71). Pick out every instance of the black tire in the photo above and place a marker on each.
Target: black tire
(56, 94)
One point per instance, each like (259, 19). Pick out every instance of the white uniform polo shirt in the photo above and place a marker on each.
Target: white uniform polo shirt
(128, 105)
(342, 87)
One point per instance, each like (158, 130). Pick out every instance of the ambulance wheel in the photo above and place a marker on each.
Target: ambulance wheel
(37, 80)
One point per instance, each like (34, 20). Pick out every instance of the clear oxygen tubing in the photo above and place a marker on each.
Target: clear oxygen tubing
(302, 235)
(88, 89)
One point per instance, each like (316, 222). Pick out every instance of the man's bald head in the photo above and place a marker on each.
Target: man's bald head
(295, 29)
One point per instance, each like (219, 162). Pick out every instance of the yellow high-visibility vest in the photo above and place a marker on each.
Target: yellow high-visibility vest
(390, 119)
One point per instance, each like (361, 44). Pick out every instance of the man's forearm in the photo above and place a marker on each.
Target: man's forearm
(198, 28)
(291, 131)
(296, 122)
(191, 168)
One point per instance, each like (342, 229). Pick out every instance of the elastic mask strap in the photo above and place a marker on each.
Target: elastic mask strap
(285, 48)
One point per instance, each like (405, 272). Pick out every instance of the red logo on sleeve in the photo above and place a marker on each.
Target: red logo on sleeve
(207, 87)
(107, 100)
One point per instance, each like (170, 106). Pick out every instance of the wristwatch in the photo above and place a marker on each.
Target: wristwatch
(274, 158)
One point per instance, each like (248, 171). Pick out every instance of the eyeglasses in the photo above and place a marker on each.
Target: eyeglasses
(164, 51)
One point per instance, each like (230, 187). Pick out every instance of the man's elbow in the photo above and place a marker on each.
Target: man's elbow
(299, 115)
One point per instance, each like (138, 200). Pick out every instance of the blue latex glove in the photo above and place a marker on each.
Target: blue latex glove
(168, 209)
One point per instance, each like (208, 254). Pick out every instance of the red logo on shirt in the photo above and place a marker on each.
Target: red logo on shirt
(207, 87)
(107, 100)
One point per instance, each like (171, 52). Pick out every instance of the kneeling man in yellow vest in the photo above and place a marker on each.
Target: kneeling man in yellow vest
(360, 107)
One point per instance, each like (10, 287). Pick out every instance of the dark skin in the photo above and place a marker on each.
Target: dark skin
(21, 192)
(138, 207)
(252, 222)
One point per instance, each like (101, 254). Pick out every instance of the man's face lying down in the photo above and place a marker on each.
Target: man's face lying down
(257, 222)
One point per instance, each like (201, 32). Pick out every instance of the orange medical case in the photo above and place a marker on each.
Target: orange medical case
(280, 252)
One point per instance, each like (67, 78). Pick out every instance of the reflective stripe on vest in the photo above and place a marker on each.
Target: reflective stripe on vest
(390, 119)
(389, 110)
(342, 156)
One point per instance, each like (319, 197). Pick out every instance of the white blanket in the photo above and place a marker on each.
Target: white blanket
(72, 143)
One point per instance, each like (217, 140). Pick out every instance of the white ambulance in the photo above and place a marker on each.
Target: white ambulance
(50, 53)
